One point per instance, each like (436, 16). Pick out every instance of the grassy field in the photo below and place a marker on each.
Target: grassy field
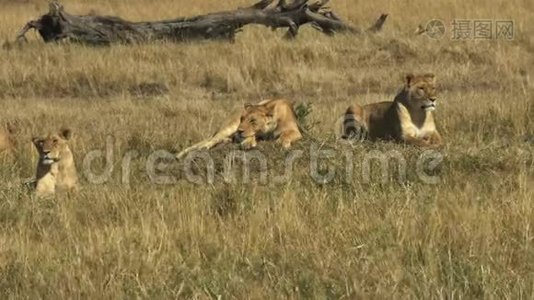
(354, 235)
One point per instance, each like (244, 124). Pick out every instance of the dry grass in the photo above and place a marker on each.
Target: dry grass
(471, 236)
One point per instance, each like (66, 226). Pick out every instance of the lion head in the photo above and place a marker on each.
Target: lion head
(7, 140)
(256, 122)
(52, 147)
(420, 92)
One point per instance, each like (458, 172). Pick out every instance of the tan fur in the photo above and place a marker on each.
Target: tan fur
(407, 119)
(55, 169)
(267, 120)
(7, 140)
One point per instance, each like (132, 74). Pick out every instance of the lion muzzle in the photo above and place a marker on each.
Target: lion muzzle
(47, 160)
(430, 104)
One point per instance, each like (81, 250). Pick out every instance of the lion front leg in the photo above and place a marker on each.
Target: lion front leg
(223, 135)
(45, 186)
(431, 141)
(204, 145)
(414, 141)
(434, 140)
(288, 137)
(249, 143)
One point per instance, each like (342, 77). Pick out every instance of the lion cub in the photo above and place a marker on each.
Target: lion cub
(55, 168)
(267, 120)
(407, 119)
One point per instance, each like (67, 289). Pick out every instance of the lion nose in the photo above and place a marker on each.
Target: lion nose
(433, 99)
(238, 136)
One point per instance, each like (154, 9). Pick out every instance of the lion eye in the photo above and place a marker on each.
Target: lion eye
(252, 121)
(54, 141)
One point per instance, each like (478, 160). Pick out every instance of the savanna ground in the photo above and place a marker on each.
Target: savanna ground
(470, 236)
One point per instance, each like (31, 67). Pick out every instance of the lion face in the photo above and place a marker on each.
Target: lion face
(422, 92)
(52, 147)
(256, 121)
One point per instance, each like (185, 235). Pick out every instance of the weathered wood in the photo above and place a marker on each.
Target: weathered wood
(57, 24)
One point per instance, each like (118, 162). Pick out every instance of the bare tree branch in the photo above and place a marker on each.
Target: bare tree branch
(57, 24)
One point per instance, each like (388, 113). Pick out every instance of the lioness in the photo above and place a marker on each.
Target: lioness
(407, 119)
(55, 169)
(7, 141)
(267, 120)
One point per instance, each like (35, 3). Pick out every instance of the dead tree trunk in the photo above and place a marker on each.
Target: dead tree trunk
(57, 24)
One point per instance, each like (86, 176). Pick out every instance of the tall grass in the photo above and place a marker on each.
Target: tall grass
(469, 236)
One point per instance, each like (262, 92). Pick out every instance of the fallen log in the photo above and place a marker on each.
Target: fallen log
(57, 24)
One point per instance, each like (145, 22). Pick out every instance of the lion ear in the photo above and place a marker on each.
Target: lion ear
(12, 127)
(268, 109)
(36, 140)
(65, 133)
(248, 105)
(431, 77)
(409, 79)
